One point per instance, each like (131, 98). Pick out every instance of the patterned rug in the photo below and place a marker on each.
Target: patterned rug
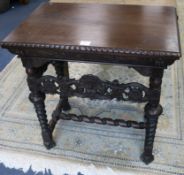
(105, 146)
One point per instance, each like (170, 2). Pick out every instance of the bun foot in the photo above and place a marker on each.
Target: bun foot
(147, 159)
(66, 106)
(50, 144)
(48, 141)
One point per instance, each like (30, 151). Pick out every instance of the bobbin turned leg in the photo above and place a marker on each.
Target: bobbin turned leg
(37, 98)
(61, 69)
(152, 112)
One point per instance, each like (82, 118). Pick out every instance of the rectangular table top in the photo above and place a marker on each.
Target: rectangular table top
(147, 28)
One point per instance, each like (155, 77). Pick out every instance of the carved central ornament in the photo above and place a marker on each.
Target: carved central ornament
(90, 86)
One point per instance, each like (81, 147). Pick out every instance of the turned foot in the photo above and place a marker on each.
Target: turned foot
(48, 141)
(147, 158)
(65, 105)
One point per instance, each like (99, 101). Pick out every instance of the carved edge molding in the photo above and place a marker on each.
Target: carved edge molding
(92, 49)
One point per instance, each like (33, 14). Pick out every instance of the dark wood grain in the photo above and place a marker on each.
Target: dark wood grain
(136, 28)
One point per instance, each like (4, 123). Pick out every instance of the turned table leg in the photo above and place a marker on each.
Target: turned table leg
(61, 69)
(37, 98)
(152, 111)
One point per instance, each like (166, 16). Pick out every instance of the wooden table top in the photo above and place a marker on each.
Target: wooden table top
(137, 28)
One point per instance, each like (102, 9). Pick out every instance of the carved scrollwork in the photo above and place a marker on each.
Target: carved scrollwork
(49, 84)
(90, 86)
(134, 92)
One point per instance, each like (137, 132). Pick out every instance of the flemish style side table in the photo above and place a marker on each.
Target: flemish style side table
(142, 37)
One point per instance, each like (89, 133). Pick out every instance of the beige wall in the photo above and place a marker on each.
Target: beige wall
(137, 2)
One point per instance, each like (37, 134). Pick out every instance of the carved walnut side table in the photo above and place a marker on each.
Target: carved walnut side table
(142, 37)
